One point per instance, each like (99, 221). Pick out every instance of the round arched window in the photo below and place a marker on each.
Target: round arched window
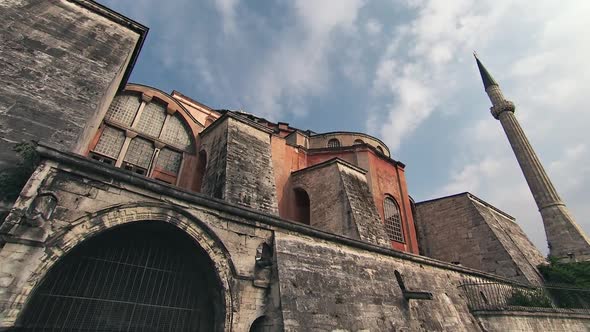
(141, 136)
(333, 143)
(379, 149)
(393, 220)
(358, 142)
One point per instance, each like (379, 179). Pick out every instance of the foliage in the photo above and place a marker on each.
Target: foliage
(574, 274)
(529, 298)
(12, 179)
(571, 275)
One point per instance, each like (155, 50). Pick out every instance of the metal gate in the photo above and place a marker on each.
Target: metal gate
(143, 277)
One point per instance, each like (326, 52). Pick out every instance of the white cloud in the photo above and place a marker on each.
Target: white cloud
(373, 27)
(298, 67)
(227, 10)
(427, 68)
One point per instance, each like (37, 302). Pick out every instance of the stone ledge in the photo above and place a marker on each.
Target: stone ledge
(535, 312)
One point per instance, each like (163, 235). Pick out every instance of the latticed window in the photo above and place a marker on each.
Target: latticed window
(133, 129)
(152, 119)
(393, 220)
(123, 109)
(110, 142)
(333, 143)
(176, 133)
(140, 152)
(169, 160)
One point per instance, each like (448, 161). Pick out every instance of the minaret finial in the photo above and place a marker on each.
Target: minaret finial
(487, 79)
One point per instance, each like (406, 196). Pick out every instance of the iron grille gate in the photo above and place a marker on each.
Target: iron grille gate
(135, 278)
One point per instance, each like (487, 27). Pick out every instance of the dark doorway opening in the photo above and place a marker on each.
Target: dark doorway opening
(302, 211)
(145, 276)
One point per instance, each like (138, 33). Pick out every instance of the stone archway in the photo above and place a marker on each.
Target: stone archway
(172, 234)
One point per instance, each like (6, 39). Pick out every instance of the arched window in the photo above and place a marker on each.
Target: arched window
(302, 211)
(333, 143)
(393, 220)
(358, 142)
(379, 149)
(141, 136)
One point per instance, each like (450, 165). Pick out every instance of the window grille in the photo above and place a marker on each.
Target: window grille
(152, 119)
(176, 133)
(140, 152)
(110, 142)
(393, 221)
(123, 109)
(333, 143)
(169, 160)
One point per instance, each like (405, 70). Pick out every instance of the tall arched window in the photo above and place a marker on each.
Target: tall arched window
(140, 135)
(333, 143)
(393, 220)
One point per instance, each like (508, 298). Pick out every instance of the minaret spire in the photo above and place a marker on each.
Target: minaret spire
(565, 238)
(486, 77)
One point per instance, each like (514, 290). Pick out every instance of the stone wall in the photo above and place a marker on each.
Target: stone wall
(305, 280)
(60, 66)
(465, 230)
(340, 201)
(214, 143)
(525, 321)
(88, 203)
(250, 177)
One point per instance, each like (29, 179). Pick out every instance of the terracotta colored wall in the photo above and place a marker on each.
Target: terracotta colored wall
(286, 159)
(383, 177)
(386, 178)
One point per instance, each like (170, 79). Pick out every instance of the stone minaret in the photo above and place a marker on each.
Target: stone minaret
(565, 237)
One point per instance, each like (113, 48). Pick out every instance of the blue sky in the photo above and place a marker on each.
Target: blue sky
(399, 70)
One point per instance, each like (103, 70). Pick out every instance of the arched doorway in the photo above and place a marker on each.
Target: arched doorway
(302, 210)
(143, 276)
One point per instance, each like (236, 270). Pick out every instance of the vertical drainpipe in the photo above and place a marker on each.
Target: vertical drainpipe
(405, 220)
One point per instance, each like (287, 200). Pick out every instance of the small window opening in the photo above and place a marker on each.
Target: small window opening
(358, 142)
(333, 143)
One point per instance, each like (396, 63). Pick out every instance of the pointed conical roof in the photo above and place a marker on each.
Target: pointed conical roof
(487, 79)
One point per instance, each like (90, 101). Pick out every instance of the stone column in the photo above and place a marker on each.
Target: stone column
(566, 239)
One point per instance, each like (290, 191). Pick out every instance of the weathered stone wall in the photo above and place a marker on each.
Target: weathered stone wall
(307, 280)
(214, 143)
(463, 230)
(520, 249)
(340, 201)
(60, 66)
(328, 208)
(250, 177)
(523, 321)
(89, 203)
(326, 286)
(362, 206)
